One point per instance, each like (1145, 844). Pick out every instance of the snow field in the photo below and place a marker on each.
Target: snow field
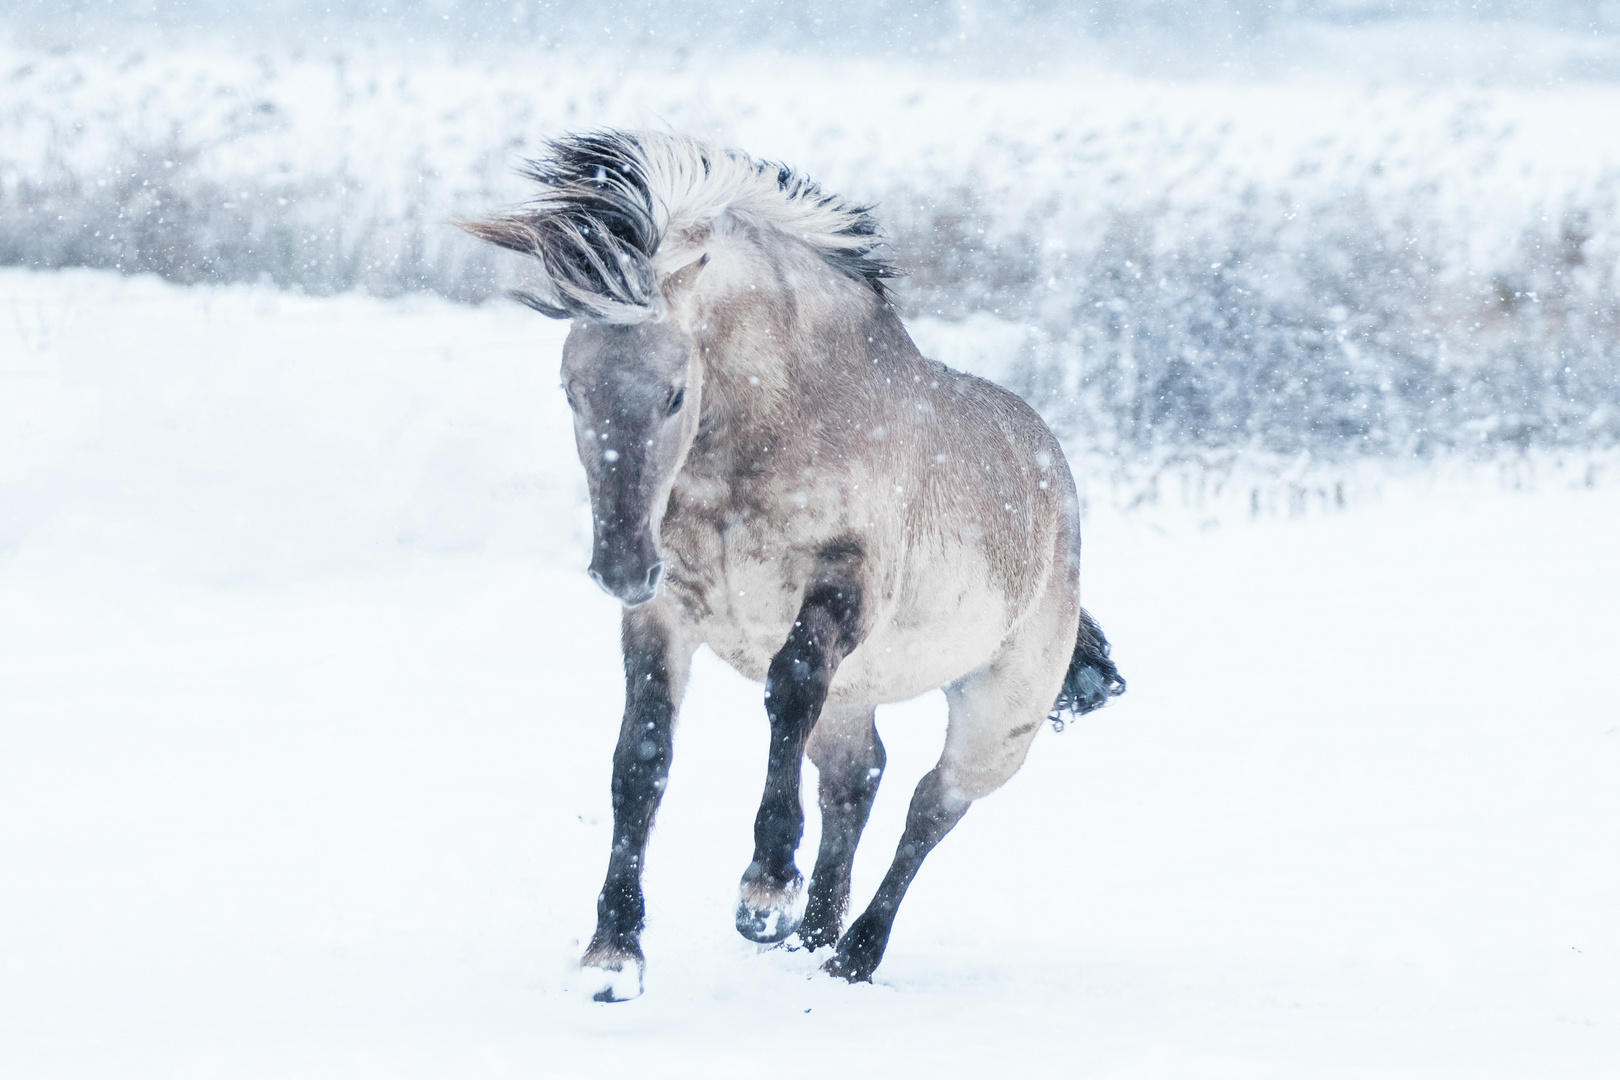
(306, 707)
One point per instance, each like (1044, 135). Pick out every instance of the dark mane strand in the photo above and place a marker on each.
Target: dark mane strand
(863, 262)
(597, 222)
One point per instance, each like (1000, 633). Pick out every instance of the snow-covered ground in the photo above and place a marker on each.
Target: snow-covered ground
(306, 707)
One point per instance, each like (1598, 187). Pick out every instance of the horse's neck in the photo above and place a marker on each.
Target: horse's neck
(747, 404)
(785, 383)
(776, 356)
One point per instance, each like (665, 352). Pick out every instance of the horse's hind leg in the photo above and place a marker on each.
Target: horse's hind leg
(994, 715)
(935, 810)
(849, 756)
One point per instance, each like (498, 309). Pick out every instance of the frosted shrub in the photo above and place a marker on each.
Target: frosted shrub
(1343, 327)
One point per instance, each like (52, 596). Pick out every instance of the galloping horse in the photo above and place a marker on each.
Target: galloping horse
(776, 472)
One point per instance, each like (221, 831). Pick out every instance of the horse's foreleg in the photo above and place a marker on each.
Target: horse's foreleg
(828, 627)
(849, 756)
(655, 670)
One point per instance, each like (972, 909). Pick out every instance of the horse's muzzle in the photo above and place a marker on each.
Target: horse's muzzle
(627, 587)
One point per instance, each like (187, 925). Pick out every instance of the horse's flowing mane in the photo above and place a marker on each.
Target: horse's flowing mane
(608, 200)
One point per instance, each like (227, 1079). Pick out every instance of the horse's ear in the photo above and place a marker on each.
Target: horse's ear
(510, 232)
(678, 283)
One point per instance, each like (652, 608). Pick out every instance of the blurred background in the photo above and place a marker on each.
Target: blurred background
(1205, 239)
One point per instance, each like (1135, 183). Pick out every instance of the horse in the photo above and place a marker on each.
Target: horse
(775, 471)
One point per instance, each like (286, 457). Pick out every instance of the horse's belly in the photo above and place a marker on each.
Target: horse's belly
(912, 653)
(910, 648)
(933, 616)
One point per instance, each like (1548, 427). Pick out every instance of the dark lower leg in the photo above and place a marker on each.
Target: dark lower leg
(640, 768)
(795, 689)
(849, 783)
(933, 814)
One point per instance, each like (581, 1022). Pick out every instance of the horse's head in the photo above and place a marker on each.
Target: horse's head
(635, 391)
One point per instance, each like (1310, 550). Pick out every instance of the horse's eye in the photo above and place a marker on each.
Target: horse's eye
(676, 402)
(569, 394)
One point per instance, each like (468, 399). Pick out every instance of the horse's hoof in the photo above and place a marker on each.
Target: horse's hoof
(767, 912)
(860, 951)
(849, 968)
(610, 977)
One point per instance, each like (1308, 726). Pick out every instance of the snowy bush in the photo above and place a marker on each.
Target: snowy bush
(1343, 325)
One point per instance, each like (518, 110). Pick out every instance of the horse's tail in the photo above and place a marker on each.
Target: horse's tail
(1092, 677)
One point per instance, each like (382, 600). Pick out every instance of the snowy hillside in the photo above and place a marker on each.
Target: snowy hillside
(307, 710)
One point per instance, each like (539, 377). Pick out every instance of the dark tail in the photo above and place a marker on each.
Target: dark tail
(1092, 677)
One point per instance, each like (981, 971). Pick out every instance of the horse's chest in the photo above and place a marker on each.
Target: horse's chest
(739, 581)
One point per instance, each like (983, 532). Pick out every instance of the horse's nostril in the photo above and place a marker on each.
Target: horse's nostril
(654, 576)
